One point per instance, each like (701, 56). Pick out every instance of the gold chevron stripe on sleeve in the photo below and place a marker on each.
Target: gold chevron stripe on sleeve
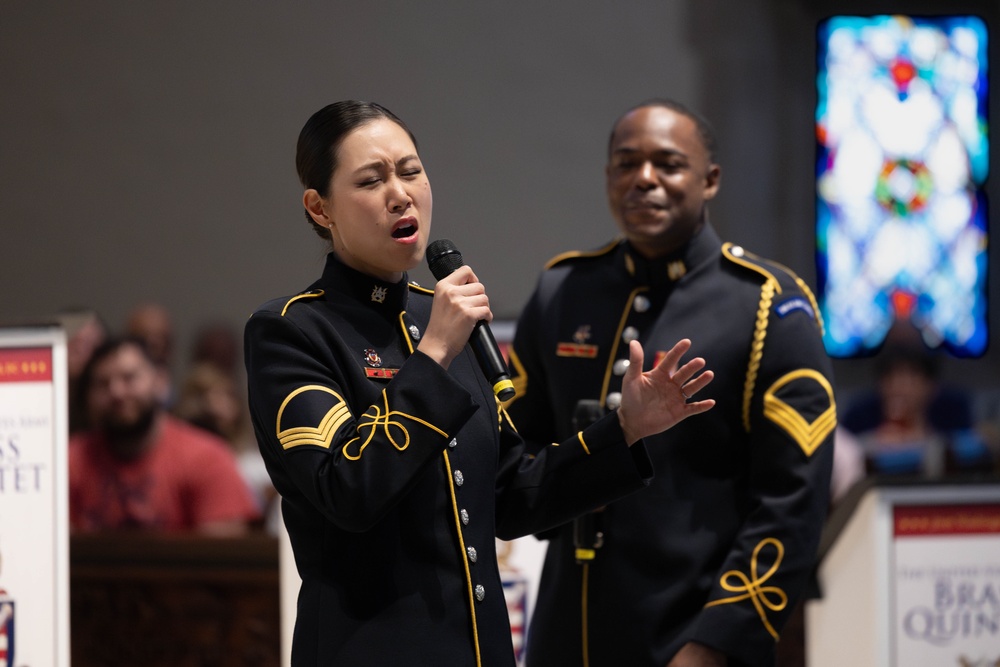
(320, 435)
(808, 435)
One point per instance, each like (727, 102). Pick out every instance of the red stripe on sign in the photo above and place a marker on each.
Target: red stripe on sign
(33, 364)
(909, 520)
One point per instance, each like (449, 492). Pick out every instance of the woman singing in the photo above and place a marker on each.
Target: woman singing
(396, 465)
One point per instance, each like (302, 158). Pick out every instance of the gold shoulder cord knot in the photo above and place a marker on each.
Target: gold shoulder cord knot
(374, 417)
(757, 347)
(812, 300)
(752, 588)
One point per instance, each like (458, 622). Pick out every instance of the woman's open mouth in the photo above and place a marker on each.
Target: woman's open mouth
(406, 228)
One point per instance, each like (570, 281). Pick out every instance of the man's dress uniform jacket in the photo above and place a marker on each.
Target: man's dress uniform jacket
(719, 547)
(396, 475)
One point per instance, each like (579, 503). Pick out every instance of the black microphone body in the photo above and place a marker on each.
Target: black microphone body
(443, 258)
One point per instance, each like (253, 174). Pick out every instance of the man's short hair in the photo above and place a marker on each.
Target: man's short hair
(105, 350)
(705, 132)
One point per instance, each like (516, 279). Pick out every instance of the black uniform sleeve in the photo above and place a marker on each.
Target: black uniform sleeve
(351, 462)
(791, 416)
(591, 475)
(536, 492)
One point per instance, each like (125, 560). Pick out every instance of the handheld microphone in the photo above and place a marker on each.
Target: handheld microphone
(443, 258)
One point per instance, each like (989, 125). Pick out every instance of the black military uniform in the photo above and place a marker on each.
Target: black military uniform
(719, 547)
(397, 475)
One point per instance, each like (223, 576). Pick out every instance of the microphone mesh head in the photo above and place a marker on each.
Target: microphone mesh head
(443, 258)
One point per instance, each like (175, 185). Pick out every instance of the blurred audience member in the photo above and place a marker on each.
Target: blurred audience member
(912, 425)
(219, 344)
(210, 400)
(85, 330)
(848, 463)
(151, 323)
(140, 468)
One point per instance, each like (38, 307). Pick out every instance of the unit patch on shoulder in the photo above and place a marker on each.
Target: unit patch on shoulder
(792, 304)
(801, 403)
(311, 415)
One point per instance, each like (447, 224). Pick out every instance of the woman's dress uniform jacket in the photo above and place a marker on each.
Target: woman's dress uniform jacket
(396, 475)
(719, 547)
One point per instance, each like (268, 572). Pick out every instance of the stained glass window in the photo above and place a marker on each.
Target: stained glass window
(901, 163)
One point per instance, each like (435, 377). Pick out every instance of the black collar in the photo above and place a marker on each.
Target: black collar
(386, 298)
(669, 269)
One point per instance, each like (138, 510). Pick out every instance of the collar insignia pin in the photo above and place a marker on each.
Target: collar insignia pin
(378, 294)
(676, 270)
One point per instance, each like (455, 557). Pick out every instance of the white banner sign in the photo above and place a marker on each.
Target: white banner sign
(34, 539)
(947, 585)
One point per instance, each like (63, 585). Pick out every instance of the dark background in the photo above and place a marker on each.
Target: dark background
(146, 149)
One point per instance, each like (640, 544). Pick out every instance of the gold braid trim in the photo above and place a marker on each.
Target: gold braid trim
(520, 379)
(573, 254)
(802, 286)
(757, 347)
(373, 418)
(751, 587)
(307, 295)
(406, 332)
(613, 353)
(463, 557)
(812, 299)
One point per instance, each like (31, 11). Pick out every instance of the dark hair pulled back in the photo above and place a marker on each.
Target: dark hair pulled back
(320, 138)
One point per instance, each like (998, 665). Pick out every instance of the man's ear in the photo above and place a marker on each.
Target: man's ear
(315, 206)
(712, 180)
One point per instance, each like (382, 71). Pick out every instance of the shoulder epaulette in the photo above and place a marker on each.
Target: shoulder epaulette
(581, 254)
(769, 268)
(737, 255)
(311, 294)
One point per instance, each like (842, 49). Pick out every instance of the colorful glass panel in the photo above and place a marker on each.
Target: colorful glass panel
(901, 163)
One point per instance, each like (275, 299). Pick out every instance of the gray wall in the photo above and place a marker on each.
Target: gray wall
(146, 149)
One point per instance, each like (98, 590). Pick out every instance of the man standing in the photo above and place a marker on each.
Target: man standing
(703, 567)
(140, 468)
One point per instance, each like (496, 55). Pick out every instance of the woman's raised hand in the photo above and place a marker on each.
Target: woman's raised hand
(459, 302)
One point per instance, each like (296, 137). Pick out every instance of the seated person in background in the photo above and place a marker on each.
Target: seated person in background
(151, 324)
(219, 344)
(140, 468)
(913, 426)
(209, 399)
(85, 330)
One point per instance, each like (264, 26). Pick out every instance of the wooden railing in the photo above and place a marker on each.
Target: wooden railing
(182, 601)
